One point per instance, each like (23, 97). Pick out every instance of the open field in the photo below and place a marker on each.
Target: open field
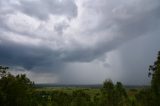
(92, 90)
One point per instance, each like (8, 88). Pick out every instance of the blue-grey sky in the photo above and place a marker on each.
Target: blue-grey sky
(80, 41)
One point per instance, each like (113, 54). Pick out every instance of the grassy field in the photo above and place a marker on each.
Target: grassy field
(131, 91)
(70, 90)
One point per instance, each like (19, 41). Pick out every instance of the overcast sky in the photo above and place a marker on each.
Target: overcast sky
(80, 41)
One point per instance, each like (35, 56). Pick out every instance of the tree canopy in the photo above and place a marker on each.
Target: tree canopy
(14, 90)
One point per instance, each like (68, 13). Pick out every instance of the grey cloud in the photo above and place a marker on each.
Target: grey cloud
(136, 56)
(5, 7)
(42, 9)
(137, 23)
(29, 57)
(124, 18)
(102, 27)
(60, 27)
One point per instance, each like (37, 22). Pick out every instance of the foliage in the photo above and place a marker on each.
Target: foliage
(144, 98)
(80, 98)
(113, 95)
(151, 96)
(14, 90)
(155, 68)
(59, 98)
(108, 94)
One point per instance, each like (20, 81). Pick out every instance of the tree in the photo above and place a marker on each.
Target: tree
(155, 68)
(145, 98)
(113, 95)
(14, 90)
(154, 71)
(108, 94)
(60, 98)
(80, 98)
(121, 95)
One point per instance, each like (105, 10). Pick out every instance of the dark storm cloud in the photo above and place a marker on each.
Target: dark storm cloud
(97, 28)
(26, 56)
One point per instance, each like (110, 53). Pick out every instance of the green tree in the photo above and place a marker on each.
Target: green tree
(80, 98)
(108, 94)
(145, 98)
(41, 97)
(97, 99)
(154, 70)
(113, 95)
(15, 90)
(121, 95)
(59, 98)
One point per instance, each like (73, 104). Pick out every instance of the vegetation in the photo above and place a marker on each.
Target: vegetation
(20, 91)
(15, 90)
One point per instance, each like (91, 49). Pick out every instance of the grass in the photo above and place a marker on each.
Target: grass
(90, 91)
(69, 90)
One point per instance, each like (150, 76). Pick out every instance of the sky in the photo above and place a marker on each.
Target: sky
(80, 41)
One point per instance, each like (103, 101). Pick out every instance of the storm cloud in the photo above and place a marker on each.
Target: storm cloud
(54, 35)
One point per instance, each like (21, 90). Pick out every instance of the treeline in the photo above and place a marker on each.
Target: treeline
(115, 94)
(20, 91)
